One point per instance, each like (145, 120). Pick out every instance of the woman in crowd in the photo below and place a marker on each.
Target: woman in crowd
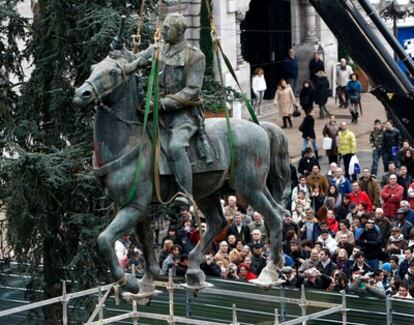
(306, 96)
(285, 102)
(317, 198)
(354, 90)
(408, 161)
(259, 87)
(307, 127)
(333, 193)
(395, 243)
(344, 230)
(322, 92)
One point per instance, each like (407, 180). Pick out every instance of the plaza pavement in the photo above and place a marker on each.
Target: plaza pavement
(372, 109)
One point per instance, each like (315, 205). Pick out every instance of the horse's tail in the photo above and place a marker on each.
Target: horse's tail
(278, 180)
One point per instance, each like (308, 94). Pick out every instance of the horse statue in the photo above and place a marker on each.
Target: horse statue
(261, 172)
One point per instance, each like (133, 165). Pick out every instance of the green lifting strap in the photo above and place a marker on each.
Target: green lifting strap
(153, 77)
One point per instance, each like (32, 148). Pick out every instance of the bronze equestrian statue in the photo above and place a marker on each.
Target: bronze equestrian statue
(261, 160)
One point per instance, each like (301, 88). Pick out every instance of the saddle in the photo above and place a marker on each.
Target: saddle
(199, 160)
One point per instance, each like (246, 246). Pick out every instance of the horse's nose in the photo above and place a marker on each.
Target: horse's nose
(83, 95)
(86, 94)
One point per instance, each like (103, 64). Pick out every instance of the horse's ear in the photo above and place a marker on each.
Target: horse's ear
(132, 66)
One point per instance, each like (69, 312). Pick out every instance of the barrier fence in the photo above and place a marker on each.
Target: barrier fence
(221, 304)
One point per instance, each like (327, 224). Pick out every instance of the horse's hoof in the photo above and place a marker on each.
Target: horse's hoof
(131, 285)
(268, 277)
(195, 278)
(141, 298)
(195, 289)
(146, 286)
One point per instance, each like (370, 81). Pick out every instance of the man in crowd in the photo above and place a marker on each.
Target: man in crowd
(311, 262)
(258, 224)
(291, 69)
(343, 75)
(390, 143)
(369, 185)
(346, 146)
(316, 178)
(231, 209)
(325, 265)
(392, 169)
(371, 243)
(383, 223)
(341, 182)
(392, 195)
(358, 196)
(376, 141)
(307, 161)
(402, 224)
(238, 229)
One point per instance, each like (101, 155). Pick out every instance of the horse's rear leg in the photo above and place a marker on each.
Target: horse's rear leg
(124, 221)
(216, 222)
(152, 269)
(263, 202)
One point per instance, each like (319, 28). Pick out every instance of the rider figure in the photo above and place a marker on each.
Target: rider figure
(181, 77)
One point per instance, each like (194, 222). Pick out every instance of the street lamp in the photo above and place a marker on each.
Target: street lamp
(394, 10)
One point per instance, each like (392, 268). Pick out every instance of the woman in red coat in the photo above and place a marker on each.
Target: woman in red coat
(392, 194)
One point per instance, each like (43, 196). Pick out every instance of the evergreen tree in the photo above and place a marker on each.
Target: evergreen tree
(54, 205)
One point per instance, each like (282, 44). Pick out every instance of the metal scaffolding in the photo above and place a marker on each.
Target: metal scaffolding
(104, 292)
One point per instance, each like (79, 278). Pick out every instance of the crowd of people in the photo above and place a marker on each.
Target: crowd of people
(338, 234)
(343, 228)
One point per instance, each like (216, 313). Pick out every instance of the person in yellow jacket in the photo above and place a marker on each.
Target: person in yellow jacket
(346, 146)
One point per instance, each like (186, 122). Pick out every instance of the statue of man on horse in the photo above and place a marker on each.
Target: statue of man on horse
(181, 78)
(124, 159)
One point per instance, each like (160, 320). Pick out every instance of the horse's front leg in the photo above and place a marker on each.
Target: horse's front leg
(216, 222)
(151, 267)
(124, 221)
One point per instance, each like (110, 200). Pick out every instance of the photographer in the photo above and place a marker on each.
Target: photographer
(232, 272)
(209, 266)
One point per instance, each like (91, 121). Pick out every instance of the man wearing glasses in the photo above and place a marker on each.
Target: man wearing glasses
(370, 242)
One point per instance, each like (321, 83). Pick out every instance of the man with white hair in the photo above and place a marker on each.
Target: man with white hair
(258, 223)
(382, 223)
(343, 75)
(231, 209)
(409, 213)
(341, 182)
(331, 173)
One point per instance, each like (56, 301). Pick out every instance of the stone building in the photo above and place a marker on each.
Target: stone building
(257, 33)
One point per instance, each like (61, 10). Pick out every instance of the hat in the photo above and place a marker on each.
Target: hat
(352, 205)
(387, 267)
(401, 211)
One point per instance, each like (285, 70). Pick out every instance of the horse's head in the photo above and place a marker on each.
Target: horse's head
(106, 77)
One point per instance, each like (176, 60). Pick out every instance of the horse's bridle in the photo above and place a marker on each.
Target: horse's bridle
(98, 97)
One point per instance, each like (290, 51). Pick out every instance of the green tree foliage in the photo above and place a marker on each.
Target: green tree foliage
(54, 205)
(206, 43)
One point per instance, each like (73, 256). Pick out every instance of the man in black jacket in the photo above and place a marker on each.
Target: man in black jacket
(242, 232)
(391, 142)
(371, 243)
